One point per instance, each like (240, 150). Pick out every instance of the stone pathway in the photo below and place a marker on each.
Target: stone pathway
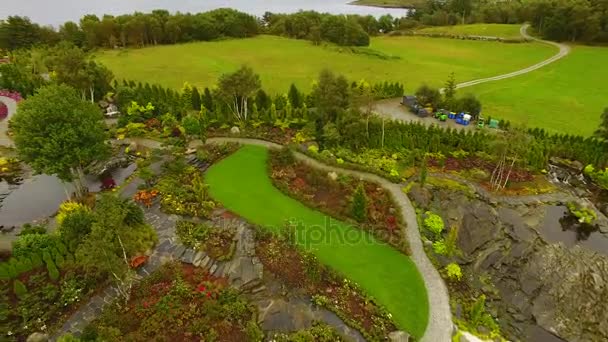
(440, 325)
(244, 272)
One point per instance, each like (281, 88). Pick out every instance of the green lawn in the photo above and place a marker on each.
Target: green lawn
(492, 30)
(566, 96)
(281, 61)
(240, 182)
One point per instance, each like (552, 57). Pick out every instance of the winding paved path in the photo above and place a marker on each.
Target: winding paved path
(564, 50)
(440, 324)
(12, 108)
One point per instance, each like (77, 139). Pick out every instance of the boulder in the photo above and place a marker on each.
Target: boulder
(479, 225)
(235, 130)
(332, 175)
(38, 337)
(421, 196)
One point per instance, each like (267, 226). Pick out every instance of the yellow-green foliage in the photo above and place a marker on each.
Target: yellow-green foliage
(447, 183)
(434, 223)
(453, 272)
(69, 207)
(139, 239)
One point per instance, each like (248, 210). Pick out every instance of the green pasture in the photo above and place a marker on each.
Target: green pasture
(492, 30)
(567, 96)
(241, 183)
(281, 61)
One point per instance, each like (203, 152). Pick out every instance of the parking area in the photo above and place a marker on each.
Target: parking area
(393, 109)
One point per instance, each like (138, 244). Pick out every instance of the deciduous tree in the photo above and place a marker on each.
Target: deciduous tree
(236, 88)
(56, 132)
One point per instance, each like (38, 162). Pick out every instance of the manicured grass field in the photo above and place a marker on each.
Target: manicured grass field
(492, 30)
(241, 183)
(567, 96)
(281, 61)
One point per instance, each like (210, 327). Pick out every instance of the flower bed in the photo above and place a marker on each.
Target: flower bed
(452, 164)
(183, 191)
(3, 111)
(179, 302)
(329, 157)
(264, 132)
(37, 301)
(11, 95)
(217, 242)
(335, 197)
(302, 270)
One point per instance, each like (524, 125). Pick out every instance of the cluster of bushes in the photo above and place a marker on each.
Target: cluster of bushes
(49, 272)
(317, 27)
(33, 251)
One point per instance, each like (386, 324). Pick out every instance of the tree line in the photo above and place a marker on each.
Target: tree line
(161, 27)
(560, 20)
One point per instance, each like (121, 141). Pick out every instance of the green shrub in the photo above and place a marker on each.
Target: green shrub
(584, 215)
(69, 207)
(28, 229)
(439, 247)
(75, 228)
(285, 157)
(12, 271)
(46, 256)
(134, 215)
(59, 260)
(27, 244)
(52, 270)
(36, 260)
(453, 272)
(434, 223)
(359, 204)
(19, 289)
(254, 332)
(191, 234)
(4, 272)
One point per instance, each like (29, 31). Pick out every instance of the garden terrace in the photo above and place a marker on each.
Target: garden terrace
(302, 270)
(334, 196)
(179, 302)
(396, 285)
(50, 274)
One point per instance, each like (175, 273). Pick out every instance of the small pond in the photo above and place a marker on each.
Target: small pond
(39, 197)
(559, 226)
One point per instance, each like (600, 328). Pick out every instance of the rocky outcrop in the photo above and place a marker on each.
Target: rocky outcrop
(532, 282)
(572, 287)
(245, 271)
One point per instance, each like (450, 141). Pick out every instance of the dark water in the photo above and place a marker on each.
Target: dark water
(58, 11)
(40, 196)
(558, 226)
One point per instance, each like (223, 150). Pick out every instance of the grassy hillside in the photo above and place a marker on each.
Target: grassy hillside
(281, 61)
(492, 30)
(567, 96)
